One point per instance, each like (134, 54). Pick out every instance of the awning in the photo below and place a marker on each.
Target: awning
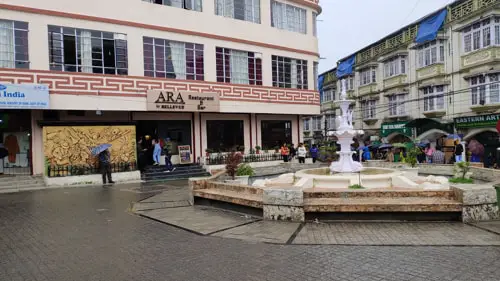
(420, 122)
(346, 67)
(428, 29)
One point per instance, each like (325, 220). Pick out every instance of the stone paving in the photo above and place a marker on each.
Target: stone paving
(82, 234)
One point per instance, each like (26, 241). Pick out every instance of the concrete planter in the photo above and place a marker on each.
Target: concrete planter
(239, 180)
(411, 172)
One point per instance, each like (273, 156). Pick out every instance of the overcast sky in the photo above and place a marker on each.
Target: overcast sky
(345, 26)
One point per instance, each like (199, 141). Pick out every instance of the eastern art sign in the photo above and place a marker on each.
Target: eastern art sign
(479, 121)
(162, 100)
(399, 127)
(24, 96)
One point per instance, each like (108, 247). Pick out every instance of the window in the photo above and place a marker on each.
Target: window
(307, 124)
(172, 59)
(238, 67)
(350, 83)
(397, 105)
(194, 5)
(430, 53)
(485, 89)
(316, 123)
(433, 98)
(275, 133)
(288, 17)
(315, 75)
(225, 135)
(330, 121)
(329, 95)
(395, 66)
(89, 51)
(367, 76)
(368, 108)
(315, 23)
(289, 73)
(247, 10)
(481, 34)
(14, 44)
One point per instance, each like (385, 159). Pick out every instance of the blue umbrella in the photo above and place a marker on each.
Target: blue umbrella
(100, 148)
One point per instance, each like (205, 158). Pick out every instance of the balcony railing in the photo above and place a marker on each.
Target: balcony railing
(220, 158)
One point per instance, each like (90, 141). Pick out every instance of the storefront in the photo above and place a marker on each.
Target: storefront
(481, 128)
(396, 132)
(16, 104)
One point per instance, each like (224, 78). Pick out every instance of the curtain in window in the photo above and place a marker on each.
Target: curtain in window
(174, 3)
(239, 67)
(252, 10)
(86, 51)
(6, 44)
(294, 73)
(277, 12)
(292, 16)
(494, 89)
(178, 54)
(228, 8)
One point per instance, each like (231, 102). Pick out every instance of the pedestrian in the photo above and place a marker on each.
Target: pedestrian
(428, 153)
(141, 150)
(301, 153)
(105, 166)
(168, 162)
(156, 152)
(459, 149)
(293, 151)
(437, 156)
(285, 152)
(314, 152)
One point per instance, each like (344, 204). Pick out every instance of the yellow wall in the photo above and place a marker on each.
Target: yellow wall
(69, 145)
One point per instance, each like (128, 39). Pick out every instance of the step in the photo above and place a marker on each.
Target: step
(22, 188)
(234, 188)
(384, 193)
(179, 167)
(233, 197)
(20, 182)
(382, 204)
(174, 172)
(166, 176)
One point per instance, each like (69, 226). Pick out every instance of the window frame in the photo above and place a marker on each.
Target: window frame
(281, 65)
(255, 10)
(225, 54)
(298, 25)
(430, 53)
(317, 123)
(20, 41)
(480, 35)
(307, 125)
(368, 76)
(397, 107)
(434, 98)
(482, 88)
(369, 109)
(164, 3)
(395, 66)
(328, 95)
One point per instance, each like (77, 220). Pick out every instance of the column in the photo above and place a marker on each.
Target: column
(38, 158)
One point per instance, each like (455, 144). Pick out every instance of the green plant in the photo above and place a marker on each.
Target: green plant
(257, 147)
(276, 148)
(245, 170)
(461, 169)
(307, 133)
(252, 151)
(356, 186)
(461, 180)
(328, 153)
(412, 156)
(233, 160)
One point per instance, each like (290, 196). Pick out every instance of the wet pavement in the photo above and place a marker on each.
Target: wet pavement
(90, 234)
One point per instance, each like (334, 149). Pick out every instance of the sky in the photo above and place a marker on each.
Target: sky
(346, 26)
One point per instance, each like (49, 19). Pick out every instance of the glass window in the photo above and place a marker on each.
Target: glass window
(367, 76)
(329, 95)
(194, 5)
(481, 35)
(289, 73)
(173, 59)
(247, 10)
(14, 44)
(395, 66)
(433, 98)
(225, 135)
(485, 89)
(315, 75)
(368, 108)
(397, 105)
(316, 123)
(275, 133)
(288, 17)
(88, 51)
(330, 121)
(307, 124)
(430, 53)
(238, 67)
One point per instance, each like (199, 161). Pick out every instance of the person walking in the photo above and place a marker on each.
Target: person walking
(156, 152)
(168, 162)
(459, 149)
(285, 152)
(437, 156)
(428, 153)
(105, 166)
(301, 153)
(314, 152)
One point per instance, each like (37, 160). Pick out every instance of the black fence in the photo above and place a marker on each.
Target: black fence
(80, 170)
(220, 159)
(18, 165)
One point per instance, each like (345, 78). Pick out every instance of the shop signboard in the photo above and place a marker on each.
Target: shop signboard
(24, 96)
(166, 100)
(479, 121)
(184, 154)
(395, 127)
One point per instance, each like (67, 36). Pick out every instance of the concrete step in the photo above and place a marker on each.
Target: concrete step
(174, 172)
(13, 189)
(381, 204)
(376, 193)
(230, 196)
(8, 183)
(167, 176)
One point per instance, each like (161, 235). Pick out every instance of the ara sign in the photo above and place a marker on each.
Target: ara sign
(24, 96)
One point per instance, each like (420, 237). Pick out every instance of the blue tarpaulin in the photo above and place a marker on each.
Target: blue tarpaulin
(321, 78)
(345, 67)
(428, 29)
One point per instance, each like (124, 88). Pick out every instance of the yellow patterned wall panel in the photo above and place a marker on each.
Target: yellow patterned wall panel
(70, 145)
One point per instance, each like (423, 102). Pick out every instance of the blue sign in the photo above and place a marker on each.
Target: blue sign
(24, 96)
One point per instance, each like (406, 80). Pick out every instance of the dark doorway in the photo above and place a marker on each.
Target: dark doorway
(275, 133)
(225, 135)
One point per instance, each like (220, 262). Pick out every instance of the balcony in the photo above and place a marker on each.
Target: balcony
(486, 108)
(467, 8)
(368, 89)
(437, 113)
(430, 71)
(395, 81)
(480, 57)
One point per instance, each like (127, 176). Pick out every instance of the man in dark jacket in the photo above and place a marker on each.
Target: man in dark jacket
(105, 166)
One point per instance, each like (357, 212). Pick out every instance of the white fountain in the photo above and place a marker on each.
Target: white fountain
(345, 133)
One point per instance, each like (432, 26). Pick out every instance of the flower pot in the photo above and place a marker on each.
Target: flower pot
(258, 151)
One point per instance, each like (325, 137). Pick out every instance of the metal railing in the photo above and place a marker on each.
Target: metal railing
(20, 164)
(80, 170)
(220, 158)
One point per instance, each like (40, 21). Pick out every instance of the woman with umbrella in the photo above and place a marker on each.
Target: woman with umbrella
(104, 161)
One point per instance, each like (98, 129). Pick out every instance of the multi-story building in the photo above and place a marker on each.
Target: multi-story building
(206, 74)
(437, 76)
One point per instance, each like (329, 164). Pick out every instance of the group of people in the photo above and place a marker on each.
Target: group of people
(149, 152)
(290, 152)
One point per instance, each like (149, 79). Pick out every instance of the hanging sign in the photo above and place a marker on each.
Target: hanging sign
(24, 96)
(184, 154)
(479, 121)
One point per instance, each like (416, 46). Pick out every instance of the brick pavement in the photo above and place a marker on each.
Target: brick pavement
(88, 234)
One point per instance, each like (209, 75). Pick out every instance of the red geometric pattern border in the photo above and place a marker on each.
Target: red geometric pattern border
(70, 83)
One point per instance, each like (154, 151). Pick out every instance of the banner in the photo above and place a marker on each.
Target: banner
(480, 121)
(24, 96)
(162, 100)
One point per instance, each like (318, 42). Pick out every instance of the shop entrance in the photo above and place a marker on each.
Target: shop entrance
(15, 142)
(490, 140)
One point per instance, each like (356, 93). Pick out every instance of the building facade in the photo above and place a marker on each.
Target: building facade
(206, 74)
(413, 85)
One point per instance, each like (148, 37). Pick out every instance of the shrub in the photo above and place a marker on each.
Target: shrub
(245, 170)
(461, 180)
(412, 156)
(356, 186)
(257, 147)
(461, 169)
(232, 162)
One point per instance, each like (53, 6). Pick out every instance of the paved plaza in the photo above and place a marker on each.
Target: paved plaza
(92, 233)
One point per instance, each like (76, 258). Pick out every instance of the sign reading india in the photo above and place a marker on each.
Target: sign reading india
(24, 96)
(479, 121)
(164, 100)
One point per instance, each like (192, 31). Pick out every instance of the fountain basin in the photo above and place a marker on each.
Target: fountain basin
(368, 178)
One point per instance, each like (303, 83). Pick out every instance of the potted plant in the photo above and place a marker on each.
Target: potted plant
(462, 173)
(233, 160)
(207, 152)
(243, 173)
(252, 151)
(276, 149)
(257, 149)
(411, 159)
